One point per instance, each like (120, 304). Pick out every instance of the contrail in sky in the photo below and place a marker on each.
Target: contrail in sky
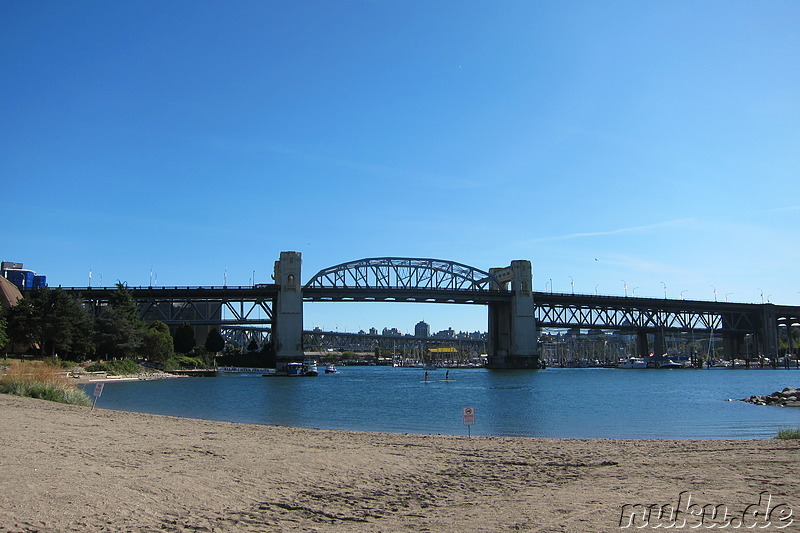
(613, 231)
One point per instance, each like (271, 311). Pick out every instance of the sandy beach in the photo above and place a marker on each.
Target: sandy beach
(67, 468)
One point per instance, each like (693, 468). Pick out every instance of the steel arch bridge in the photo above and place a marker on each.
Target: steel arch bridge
(403, 273)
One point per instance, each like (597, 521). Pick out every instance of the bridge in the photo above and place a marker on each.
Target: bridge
(515, 312)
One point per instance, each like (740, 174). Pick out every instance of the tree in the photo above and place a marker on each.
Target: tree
(119, 330)
(214, 342)
(4, 338)
(184, 338)
(253, 346)
(22, 324)
(157, 343)
(64, 327)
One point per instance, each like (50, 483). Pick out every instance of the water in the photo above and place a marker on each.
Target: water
(571, 403)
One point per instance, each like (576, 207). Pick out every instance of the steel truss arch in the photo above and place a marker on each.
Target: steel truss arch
(404, 273)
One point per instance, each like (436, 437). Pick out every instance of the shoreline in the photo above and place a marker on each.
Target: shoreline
(144, 376)
(69, 468)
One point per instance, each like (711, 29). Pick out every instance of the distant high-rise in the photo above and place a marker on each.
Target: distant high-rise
(422, 329)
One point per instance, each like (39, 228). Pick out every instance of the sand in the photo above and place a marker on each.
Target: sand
(66, 468)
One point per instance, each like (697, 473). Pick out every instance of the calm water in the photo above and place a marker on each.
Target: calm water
(608, 403)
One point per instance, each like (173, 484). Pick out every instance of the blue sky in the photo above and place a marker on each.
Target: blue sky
(646, 144)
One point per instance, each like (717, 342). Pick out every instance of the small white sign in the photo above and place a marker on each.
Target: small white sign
(98, 390)
(468, 415)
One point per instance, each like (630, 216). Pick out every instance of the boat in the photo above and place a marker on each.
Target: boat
(633, 362)
(294, 369)
(330, 369)
(669, 363)
(310, 368)
(721, 364)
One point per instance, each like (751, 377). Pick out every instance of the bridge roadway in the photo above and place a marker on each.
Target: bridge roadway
(553, 310)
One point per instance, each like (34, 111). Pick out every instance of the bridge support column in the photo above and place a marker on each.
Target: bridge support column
(642, 347)
(287, 327)
(659, 344)
(513, 339)
(732, 346)
(768, 332)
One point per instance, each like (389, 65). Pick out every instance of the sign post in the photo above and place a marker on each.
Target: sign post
(98, 390)
(468, 416)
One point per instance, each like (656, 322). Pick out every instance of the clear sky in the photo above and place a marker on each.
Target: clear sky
(641, 144)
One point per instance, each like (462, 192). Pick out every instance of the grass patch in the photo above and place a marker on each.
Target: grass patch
(35, 379)
(119, 368)
(788, 434)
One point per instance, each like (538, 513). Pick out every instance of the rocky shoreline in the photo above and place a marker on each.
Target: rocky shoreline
(788, 397)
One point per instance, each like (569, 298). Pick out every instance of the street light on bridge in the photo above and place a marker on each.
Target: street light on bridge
(762, 295)
(625, 287)
(572, 283)
(715, 292)
(665, 289)
(726, 295)
(685, 290)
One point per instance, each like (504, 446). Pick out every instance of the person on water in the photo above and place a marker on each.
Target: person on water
(426, 376)
(447, 375)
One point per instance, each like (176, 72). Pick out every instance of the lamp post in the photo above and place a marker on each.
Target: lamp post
(595, 289)
(715, 292)
(625, 287)
(665, 289)
(634, 291)
(726, 295)
(572, 284)
(682, 293)
(762, 295)
(551, 285)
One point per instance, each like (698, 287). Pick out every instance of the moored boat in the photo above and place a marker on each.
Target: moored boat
(310, 368)
(330, 369)
(633, 362)
(294, 369)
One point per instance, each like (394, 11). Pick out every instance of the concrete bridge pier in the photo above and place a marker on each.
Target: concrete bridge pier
(512, 326)
(733, 346)
(287, 327)
(642, 346)
(767, 334)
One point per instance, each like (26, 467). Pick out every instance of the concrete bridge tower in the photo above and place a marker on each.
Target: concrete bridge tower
(513, 340)
(287, 327)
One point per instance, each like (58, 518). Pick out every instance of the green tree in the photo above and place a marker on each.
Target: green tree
(118, 331)
(64, 327)
(122, 300)
(184, 338)
(22, 324)
(4, 338)
(157, 343)
(214, 342)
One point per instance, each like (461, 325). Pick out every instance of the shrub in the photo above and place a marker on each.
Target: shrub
(788, 434)
(120, 368)
(37, 380)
